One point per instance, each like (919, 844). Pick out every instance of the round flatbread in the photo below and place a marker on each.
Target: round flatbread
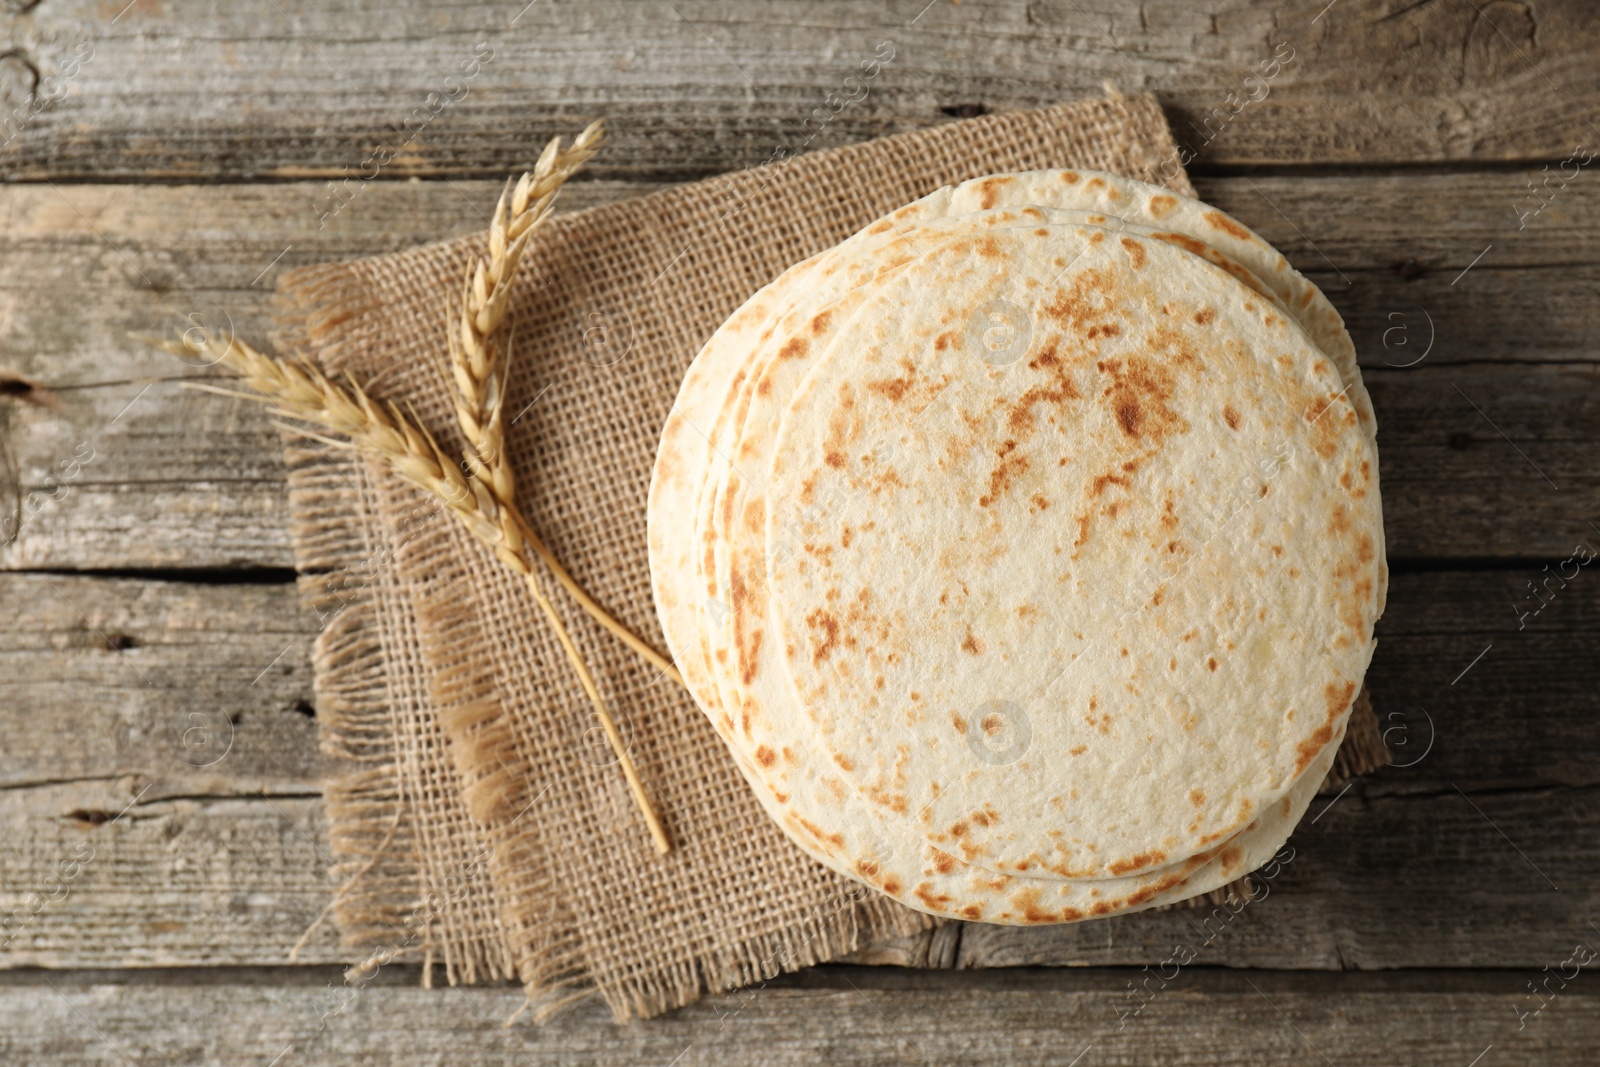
(938, 603)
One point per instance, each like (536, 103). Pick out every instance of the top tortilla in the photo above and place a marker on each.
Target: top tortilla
(939, 603)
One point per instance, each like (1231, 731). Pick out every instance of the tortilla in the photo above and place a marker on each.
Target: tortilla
(752, 685)
(907, 465)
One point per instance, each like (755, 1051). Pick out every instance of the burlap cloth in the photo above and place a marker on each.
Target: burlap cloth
(482, 825)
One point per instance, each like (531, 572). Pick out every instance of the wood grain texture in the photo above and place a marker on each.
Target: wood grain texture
(88, 880)
(187, 89)
(189, 689)
(833, 1015)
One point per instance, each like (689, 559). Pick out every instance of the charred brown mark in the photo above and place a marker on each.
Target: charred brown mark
(824, 634)
(1217, 220)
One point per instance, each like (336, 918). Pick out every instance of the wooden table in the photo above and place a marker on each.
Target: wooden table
(1433, 911)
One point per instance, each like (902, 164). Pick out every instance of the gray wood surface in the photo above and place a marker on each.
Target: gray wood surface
(186, 89)
(831, 1015)
(161, 836)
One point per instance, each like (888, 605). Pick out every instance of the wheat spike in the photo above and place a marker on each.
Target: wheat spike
(300, 391)
(478, 361)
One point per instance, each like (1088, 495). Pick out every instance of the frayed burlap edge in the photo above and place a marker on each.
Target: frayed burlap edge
(387, 903)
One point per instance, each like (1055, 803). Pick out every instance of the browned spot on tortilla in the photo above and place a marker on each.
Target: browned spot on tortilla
(755, 514)
(1221, 222)
(892, 388)
(988, 190)
(765, 756)
(1158, 596)
(1139, 394)
(974, 644)
(1196, 797)
(1070, 177)
(1096, 237)
(844, 763)
(818, 833)
(937, 902)
(1135, 252)
(1009, 467)
(959, 830)
(1041, 232)
(819, 322)
(972, 911)
(1098, 484)
(958, 722)
(1162, 205)
(943, 862)
(1365, 551)
(1211, 663)
(1095, 183)
(794, 348)
(1039, 502)
(891, 886)
(1204, 316)
(989, 248)
(1077, 750)
(1027, 902)
(821, 622)
(943, 341)
(1137, 863)
(1338, 698)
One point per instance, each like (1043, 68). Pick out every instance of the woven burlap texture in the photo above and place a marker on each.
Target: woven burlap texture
(483, 824)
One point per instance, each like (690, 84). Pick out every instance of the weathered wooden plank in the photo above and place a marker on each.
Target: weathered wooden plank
(192, 882)
(834, 1015)
(187, 689)
(189, 89)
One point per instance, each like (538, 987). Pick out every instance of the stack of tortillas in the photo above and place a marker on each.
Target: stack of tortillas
(1025, 548)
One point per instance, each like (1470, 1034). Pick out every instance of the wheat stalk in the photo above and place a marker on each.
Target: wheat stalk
(298, 390)
(479, 364)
